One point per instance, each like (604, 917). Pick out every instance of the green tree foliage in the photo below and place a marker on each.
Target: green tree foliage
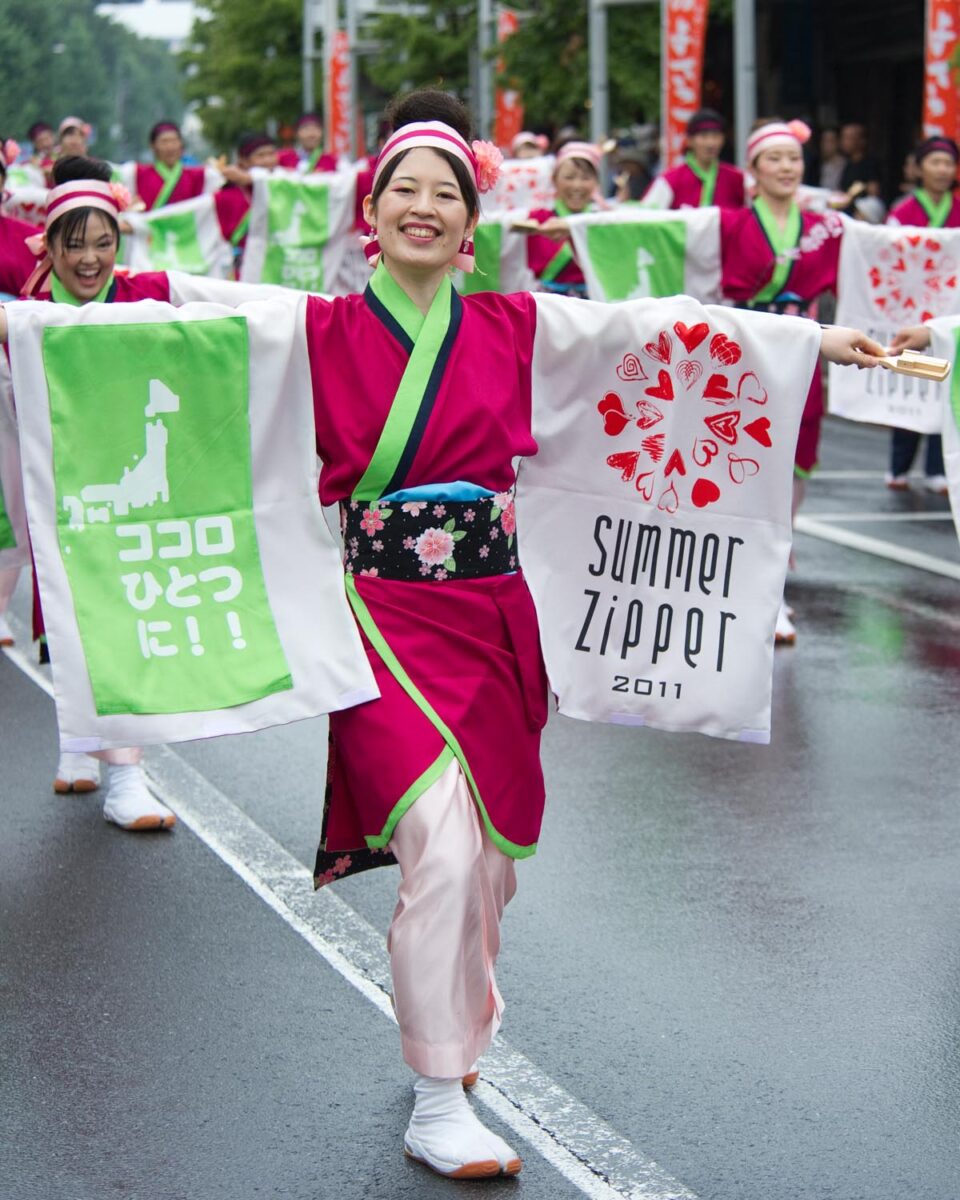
(243, 66)
(60, 58)
(435, 47)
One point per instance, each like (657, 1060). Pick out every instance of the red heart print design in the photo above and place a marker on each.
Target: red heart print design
(654, 446)
(914, 239)
(649, 414)
(724, 425)
(704, 492)
(691, 335)
(759, 430)
(717, 390)
(661, 349)
(705, 450)
(631, 369)
(750, 388)
(726, 351)
(669, 501)
(675, 463)
(625, 463)
(689, 372)
(615, 419)
(664, 388)
(933, 244)
(742, 468)
(644, 484)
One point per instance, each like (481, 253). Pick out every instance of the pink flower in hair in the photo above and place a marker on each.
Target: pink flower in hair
(121, 195)
(11, 151)
(489, 161)
(800, 130)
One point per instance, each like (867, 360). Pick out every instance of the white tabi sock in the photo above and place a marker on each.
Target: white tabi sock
(446, 1134)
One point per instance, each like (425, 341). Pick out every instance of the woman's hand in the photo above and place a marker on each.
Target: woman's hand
(913, 337)
(3, 324)
(234, 174)
(555, 228)
(850, 347)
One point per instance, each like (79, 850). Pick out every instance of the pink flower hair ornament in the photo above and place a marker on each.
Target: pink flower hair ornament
(800, 130)
(121, 195)
(489, 162)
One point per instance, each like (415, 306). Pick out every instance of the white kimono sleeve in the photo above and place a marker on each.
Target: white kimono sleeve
(654, 523)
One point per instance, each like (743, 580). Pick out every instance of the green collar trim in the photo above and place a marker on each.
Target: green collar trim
(171, 177)
(397, 303)
(707, 177)
(782, 243)
(564, 254)
(315, 158)
(60, 295)
(937, 213)
(416, 392)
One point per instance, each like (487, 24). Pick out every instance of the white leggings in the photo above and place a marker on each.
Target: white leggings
(445, 933)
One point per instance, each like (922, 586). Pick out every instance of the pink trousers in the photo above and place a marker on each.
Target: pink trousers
(445, 933)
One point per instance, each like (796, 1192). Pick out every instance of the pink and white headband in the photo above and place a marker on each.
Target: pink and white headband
(83, 193)
(526, 138)
(482, 159)
(584, 150)
(775, 135)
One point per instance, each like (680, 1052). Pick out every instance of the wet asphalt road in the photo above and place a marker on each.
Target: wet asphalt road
(745, 960)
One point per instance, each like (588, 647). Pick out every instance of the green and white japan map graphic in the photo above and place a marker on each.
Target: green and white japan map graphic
(154, 493)
(298, 229)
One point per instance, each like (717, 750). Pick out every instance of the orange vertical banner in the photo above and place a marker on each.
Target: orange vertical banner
(508, 102)
(940, 108)
(684, 34)
(338, 95)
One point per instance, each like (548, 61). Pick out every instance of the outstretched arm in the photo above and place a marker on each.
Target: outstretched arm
(849, 347)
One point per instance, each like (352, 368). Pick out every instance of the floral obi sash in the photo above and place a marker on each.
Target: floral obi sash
(430, 540)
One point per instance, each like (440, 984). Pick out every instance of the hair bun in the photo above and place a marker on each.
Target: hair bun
(430, 104)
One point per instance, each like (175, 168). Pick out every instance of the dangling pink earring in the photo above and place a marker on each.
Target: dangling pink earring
(371, 247)
(465, 257)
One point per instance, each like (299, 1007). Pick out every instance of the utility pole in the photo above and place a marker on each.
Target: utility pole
(744, 71)
(485, 69)
(599, 76)
(309, 37)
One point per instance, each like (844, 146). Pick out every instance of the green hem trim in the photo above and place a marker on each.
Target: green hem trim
(413, 792)
(393, 665)
(406, 405)
(801, 473)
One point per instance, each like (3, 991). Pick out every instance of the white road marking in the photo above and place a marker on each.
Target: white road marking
(881, 517)
(875, 546)
(576, 1142)
(850, 474)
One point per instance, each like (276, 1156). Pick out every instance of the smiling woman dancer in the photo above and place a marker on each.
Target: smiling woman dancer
(577, 180)
(422, 403)
(80, 242)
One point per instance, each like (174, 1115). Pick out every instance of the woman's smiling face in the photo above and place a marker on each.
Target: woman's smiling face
(85, 264)
(421, 217)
